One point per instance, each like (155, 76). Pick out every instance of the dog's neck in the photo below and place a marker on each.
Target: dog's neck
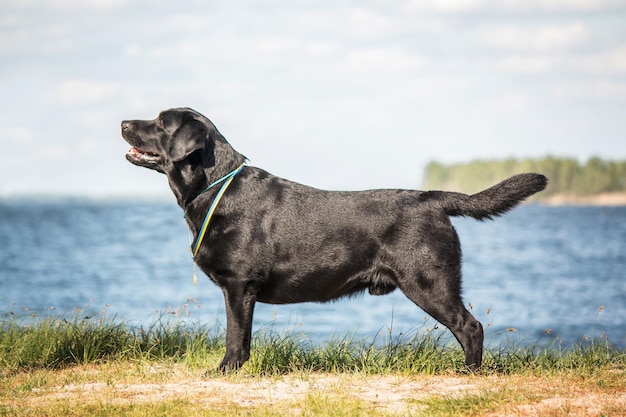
(204, 173)
(215, 183)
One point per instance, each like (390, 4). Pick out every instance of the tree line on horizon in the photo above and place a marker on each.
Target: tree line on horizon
(567, 176)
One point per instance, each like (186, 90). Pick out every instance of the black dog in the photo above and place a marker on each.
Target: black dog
(276, 241)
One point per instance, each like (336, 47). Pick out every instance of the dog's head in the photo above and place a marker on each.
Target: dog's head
(172, 137)
(184, 145)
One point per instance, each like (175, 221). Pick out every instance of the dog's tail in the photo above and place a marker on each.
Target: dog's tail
(493, 201)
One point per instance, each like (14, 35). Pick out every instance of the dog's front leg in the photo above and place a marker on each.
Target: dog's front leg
(240, 301)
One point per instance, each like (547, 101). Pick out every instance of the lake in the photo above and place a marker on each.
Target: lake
(537, 274)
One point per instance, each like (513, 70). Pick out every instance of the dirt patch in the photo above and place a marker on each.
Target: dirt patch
(583, 405)
(394, 395)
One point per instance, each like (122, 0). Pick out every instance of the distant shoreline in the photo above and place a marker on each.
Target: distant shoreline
(603, 199)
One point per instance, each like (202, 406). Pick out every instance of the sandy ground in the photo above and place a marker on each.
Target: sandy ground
(395, 395)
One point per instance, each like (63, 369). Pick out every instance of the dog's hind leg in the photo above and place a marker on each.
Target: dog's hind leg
(240, 300)
(441, 299)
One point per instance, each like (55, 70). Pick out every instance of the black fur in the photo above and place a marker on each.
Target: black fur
(276, 241)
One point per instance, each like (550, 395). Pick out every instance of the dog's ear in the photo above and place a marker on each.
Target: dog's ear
(185, 145)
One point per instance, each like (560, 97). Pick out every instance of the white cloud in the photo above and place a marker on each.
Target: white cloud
(79, 4)
(435, 86)
(381, 59)
(597, 89)
(612, 62)
(365, 23)
(542, 39)
(137, 103)
(22, 35)
(133, 50)
(318, 48)
(571, 5)
(511, 6)
(292, 45)
(445, 6)
(362, 24)
(276, 44)
(529, 63)
(22, 135)
(609, 89)
(87, 147)
(514, 102)
(54, 153)
(81, 91)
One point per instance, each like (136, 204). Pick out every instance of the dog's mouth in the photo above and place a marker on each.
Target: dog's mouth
(142, 158)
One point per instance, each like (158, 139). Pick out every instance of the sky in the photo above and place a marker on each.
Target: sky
(334, 94)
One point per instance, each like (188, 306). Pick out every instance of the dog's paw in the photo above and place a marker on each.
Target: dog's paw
(225, 367)
(214, 373)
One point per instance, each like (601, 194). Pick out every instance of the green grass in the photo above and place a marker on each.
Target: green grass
(41, 357)
(53, 343)
(466, 405)
(427, 352)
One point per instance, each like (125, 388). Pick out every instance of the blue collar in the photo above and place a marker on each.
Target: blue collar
(214, 183)
(228, 178)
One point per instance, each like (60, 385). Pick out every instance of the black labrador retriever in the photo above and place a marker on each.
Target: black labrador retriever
(268, 239)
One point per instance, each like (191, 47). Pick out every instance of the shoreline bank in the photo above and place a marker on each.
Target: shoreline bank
(597, 200)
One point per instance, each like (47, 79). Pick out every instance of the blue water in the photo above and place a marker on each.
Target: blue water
(547, 272)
